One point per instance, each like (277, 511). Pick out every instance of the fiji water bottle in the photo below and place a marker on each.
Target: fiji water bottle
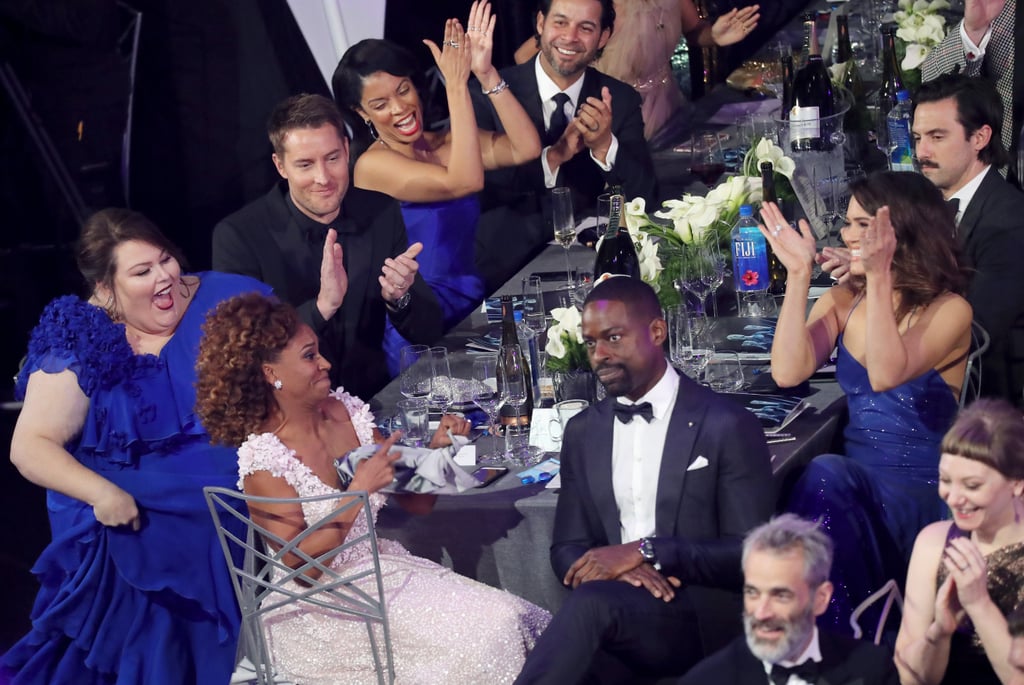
(749, 265)
(901, 143)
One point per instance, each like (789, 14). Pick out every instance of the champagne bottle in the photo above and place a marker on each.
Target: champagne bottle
(776, 271)
(510, 338)
(787, 83)
(892, 83)
(616, 256)
(813, 100)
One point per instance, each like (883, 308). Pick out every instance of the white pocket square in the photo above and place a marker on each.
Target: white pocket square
(699, 463)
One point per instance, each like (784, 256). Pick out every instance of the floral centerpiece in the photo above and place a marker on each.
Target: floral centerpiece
(920, 27)
(565, 349)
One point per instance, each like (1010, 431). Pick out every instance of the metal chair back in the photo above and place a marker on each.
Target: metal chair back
(263, 582)
(971, 387)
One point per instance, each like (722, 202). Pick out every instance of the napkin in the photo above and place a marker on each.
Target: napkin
(418, 469)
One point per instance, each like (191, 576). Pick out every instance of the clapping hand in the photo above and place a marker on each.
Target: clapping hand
(594, 123)
(795, 248)
(454, 55)
(834, 261)
(734, 26)
(333, 277)
(978, 16)
(481, 28)
(877, 244)
(398, 274)
(968, 569)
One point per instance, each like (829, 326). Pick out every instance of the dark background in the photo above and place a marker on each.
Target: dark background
(207, 74)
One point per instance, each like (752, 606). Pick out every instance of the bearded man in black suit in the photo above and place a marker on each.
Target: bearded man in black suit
(589, 123)
(660, 482)
(786, 564)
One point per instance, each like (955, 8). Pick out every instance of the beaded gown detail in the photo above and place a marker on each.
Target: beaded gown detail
(445, 628)
(447, 230)
(639, 52)
(117, 606)
(967, 660)
(874, 500)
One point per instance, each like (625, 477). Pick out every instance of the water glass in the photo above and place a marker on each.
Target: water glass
(565, 410)
(690, 345)
(415, 413)
(441, 385)
(724, 372)
(414, 377)
(533, 304)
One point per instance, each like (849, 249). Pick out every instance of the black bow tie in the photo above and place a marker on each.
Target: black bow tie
(808, 671)
(626, 412)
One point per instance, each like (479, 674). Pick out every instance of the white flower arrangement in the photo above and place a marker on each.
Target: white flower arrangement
(921, 27)
(565, 349)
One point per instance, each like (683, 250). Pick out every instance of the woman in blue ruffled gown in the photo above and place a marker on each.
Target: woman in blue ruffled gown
(902, 331)
(435, 174)
(134, 588)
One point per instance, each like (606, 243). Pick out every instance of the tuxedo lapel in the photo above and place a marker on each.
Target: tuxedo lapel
(599, 468)
(522, 80)
(677, 455)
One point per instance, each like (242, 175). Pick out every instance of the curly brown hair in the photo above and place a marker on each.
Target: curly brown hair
(232, 395)
(928, 261)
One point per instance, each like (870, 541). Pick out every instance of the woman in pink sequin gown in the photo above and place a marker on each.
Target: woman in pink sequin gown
(260, 374)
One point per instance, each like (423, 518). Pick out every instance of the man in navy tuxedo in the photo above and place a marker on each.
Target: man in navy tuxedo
(786, 564)
(589, 123)
(660, 482)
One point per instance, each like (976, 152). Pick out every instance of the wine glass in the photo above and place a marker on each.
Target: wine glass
(533, 304)
(719, 265)
(415, 374)
(698, 272)
(485, 396)
(441, 385)
(707, 162)
(565, 225)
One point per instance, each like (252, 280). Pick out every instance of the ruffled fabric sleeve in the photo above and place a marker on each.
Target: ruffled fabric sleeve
(264, 452)
(77, 336)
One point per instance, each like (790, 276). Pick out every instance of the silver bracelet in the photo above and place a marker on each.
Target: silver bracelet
(502, 85)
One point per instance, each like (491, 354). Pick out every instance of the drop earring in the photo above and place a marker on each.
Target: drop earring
(186, 292)
(373, 129)
(278, 384)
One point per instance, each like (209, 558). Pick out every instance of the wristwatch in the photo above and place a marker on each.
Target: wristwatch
(648, 553)
(401, 303)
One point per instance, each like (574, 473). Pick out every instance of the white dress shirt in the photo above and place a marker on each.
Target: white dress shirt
(547, 89)
(965, 194)
(811, 653)
(637, 447)
(973, 52)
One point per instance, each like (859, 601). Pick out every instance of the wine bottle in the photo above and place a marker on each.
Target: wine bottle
(813, 99)
(616, 256)
(892, 83)
(510, 338)
(776, 271)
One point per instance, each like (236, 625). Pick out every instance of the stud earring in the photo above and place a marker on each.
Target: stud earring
(278, 384)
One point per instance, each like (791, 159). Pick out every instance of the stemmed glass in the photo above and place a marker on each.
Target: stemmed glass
(441, 385)
(716, 278)
(699, 272)
(565, 225)
(485, 395)
(707, 162)
(533, 304)
(415, 374)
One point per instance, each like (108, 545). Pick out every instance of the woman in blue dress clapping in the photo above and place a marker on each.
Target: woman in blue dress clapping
(435, 175)
(902, 331)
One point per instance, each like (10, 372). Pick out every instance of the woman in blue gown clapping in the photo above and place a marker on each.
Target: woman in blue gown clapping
(435, 174)
(902, 332)
(133, 585)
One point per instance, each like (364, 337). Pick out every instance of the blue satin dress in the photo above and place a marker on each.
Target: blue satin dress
(874, 500)
(118, 606)
(447, 230)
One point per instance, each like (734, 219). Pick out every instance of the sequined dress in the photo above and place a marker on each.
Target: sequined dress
(445, 628)
(639, 53)
(874, 500)
(967, 660)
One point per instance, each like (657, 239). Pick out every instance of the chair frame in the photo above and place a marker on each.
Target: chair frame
(971, 386)
(259, 592)
(891, 592)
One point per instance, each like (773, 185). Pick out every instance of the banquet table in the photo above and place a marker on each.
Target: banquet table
(500, 534)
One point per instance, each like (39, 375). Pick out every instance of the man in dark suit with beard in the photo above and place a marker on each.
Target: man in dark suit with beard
(589, 123)
(786, 564)
(660, 482)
